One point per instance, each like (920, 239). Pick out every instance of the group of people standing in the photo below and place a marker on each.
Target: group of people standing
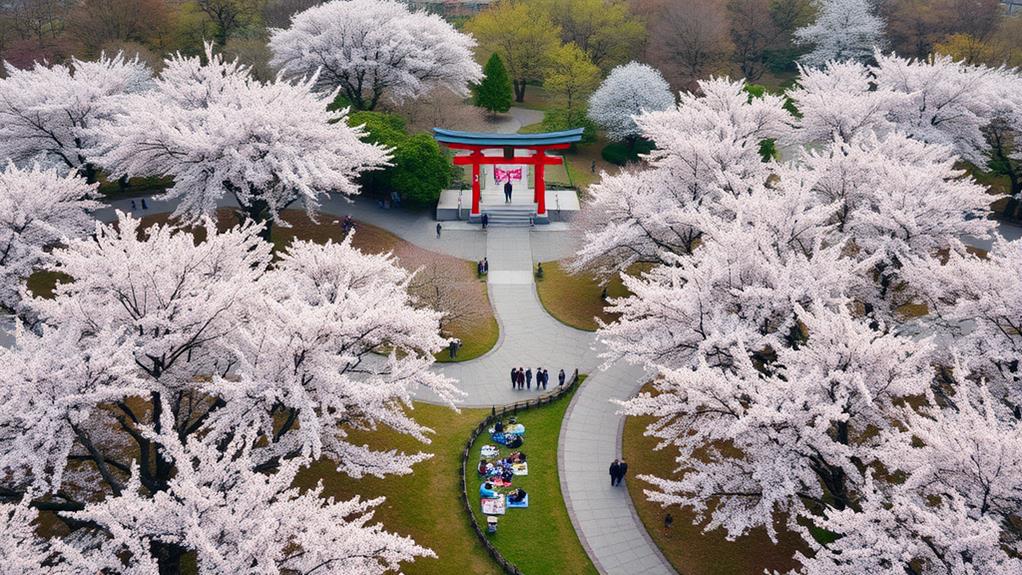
(522, 378)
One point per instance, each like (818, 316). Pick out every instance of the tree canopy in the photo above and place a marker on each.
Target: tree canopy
(375, 48)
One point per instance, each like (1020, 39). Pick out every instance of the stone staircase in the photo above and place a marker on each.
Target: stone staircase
(510, 215)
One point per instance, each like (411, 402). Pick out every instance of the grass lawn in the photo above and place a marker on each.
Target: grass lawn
(575, 300)
(136, 187)
(691, 551)
(424, 505)
(43, 282)
(539, 539)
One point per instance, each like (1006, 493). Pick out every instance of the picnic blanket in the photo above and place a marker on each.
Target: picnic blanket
(489, 451)
(508, 439)
(520, 468)
(499, 482)
(496, 506)
(521, 504)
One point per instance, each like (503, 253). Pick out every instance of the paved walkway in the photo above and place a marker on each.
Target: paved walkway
(529, 337)
(604, 516)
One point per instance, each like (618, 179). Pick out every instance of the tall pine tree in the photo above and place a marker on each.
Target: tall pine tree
(494, 92)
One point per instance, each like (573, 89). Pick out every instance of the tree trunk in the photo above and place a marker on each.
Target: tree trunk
(1011, 206)
(519, 86)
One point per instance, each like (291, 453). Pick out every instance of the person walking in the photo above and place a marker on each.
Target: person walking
(439, 229)
(132, 205)
(507, 191)
(145, 206)
(486, 220)
(514, 378)
(592, 168)
(486, 266)
(622, 470)
(546, 378)
(528, 378)
(560, 378)
(668, 521)
(615, 470)
(521, 378)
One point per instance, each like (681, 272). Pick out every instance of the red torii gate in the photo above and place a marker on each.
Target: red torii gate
(477, 143)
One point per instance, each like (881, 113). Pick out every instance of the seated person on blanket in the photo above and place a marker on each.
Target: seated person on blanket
(484, 467)
(514, 441)
(516, 457)
(486, 491)
(517, 496)
(507, 474)
(499, 427)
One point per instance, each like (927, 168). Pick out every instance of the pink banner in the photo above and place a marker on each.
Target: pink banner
(502, 175)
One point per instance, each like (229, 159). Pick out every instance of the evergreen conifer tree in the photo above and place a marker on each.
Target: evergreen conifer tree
(494, 92)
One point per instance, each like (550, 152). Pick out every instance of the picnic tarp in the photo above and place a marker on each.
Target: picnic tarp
(497, 506)
(520, 505)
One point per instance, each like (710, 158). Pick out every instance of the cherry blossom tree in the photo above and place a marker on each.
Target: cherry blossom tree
(840, 101)
(219, 506)
(895, 199)
(372, 48)
(221, 133)
(955, 513)
(706, 148)
(22, 551)
(843, 30)
(939, 101)
(798, 431)
(47, 112)
(976, 303)
(38, 208)
(947, 102)
(628, 91)
(180, 379)
(789, 382)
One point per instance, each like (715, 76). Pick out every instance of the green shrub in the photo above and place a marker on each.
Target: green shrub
(620, 153)
(419, 169)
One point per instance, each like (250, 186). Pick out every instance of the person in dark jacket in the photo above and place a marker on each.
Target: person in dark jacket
(615, 471)
(560, 378)
(622, 470)
(507, 192)
(514, 378)
(486, 220)
(528, 378)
